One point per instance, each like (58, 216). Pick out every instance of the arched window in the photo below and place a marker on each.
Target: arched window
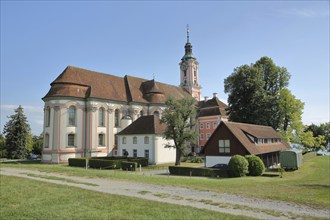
(134, 140)
(123, 141)
(47, 119)
(116, 118)
(141, 113)
(146, 140)
(72, 116)
(156, 113)
(101, 117)
(46, 140)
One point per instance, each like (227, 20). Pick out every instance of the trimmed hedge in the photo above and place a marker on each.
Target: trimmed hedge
(238, 166)
(77, 162)
(256, 166)
(197, 171)
(139, 160)
(105, 164)
(130, 166)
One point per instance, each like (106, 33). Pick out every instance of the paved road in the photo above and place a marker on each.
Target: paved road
(221, 202)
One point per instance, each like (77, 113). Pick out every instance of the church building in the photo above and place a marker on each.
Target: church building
(84, 109)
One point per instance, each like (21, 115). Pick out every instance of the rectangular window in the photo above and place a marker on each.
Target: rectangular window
(146, 154)
(134, 140)
(123, 140)
(260, 141)
(47, 117)
(201, 125)
(135, 153)
(71, 138)
(224, 146)
(208, 125)
(201, 136)
(208, 136)
(215, 124)
(101, 140)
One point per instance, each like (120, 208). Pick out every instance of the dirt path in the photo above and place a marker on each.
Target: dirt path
(221, 202)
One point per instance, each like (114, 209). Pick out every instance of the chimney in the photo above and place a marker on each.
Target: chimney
(215, 95)
(205, 98)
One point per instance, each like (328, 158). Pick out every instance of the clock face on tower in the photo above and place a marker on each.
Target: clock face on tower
(184, 66)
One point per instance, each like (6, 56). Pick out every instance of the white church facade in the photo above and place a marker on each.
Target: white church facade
(84, 110)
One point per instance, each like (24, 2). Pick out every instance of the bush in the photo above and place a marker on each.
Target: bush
(197, 171)
(77, 162)
(196, 160)
(106, 164)
(130, 166)
(238, 166)
(256, 166)
(139, 160)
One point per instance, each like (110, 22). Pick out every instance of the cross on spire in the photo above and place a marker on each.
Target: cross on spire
(187, 33)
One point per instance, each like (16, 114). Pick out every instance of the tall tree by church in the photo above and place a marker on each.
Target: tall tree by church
(18, 135)
(254, 93)
(178, 116)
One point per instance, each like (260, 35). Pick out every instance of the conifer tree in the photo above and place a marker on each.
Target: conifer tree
(17, 132)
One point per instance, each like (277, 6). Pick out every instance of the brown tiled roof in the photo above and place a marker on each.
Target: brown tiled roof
(99, 85)
(145, 125)
(239, 130)
(212, 107)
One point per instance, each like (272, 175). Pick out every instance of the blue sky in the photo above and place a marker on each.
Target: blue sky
(40, 38)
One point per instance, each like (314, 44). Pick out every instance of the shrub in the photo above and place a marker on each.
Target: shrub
(197, 171)
(77, 162)
(130, 166)
(256, 166)
(197, 160)
(238, 166)
(106, 164)
(139, 160)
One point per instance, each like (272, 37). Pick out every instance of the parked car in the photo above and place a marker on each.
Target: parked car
(323, 152)
(220, 166)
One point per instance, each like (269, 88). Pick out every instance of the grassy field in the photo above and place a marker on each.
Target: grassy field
(310, 185)
(28, 199)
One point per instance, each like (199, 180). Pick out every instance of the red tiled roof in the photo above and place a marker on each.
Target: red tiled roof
(212, 107)
(145, 125)
(103, 86)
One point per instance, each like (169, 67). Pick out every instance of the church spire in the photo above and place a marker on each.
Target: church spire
(188, 48)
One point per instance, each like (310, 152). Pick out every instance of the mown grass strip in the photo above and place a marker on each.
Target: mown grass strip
(59, 178)
(29, 199)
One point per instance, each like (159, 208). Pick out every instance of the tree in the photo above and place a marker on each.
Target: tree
(18, 133)
(179, 118)
(3, 150)
(254, 93)
(37, 143)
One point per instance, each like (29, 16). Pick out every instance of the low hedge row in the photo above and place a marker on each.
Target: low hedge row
(130, 166)
(77, 162)
(104, 164)
(197, 171)
(139, 160)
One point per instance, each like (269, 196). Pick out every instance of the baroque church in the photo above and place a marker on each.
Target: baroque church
(84, 109)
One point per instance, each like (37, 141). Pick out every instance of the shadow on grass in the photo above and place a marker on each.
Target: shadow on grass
(38, 161)
(315, 186)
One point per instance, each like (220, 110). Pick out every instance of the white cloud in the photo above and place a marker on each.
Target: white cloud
(305, 12)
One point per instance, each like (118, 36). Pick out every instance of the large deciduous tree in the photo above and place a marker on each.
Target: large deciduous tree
(179, 117)
(254, 92)
(18, 135)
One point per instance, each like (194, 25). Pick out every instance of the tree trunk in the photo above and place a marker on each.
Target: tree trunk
(178, 157)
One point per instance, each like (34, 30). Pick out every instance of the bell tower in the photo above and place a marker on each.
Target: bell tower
(189, 71)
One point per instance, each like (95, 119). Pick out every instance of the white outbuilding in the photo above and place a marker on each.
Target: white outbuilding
(144, 138)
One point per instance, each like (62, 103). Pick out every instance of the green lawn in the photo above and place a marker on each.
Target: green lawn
(28, 199)
(310, 185)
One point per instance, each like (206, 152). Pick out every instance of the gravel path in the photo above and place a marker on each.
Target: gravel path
(221, 202)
